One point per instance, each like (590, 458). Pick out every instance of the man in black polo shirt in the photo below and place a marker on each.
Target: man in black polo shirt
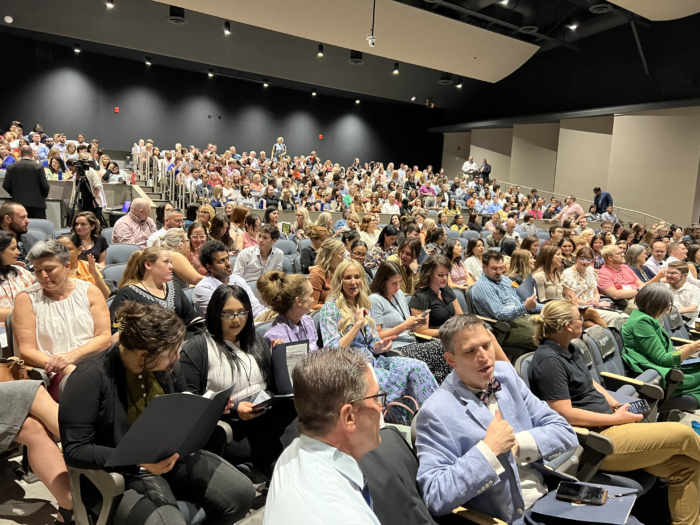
(559, 375)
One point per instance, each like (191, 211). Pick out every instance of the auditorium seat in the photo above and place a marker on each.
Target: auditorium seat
(451, 234)
(39, 235)
(107, 234)
(61, 231)
(44, 225)
(114, 272)
(120, 253)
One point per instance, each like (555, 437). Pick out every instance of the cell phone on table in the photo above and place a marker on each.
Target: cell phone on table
(581, 494)
(639, 407)
(425, 314)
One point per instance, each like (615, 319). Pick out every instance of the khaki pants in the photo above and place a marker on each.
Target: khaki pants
(668, 450)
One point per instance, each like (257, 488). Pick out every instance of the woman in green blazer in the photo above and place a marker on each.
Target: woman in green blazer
(648, 345)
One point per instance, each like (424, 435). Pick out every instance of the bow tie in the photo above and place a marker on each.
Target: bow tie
(493, 387)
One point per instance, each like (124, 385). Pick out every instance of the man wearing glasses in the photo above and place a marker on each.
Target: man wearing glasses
(317, 479)
(483, 436)
(686, 296)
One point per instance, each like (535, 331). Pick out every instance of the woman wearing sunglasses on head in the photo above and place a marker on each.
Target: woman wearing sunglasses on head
(229, 353)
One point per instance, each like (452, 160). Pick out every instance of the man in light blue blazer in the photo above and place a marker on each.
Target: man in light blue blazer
(482, 436)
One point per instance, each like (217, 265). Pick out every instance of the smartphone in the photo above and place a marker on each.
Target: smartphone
(639, 407)
(582, 494)
(425, 314)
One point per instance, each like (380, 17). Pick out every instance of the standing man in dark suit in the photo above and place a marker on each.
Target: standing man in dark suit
(601, 200)
(485, 170)
(26, 183)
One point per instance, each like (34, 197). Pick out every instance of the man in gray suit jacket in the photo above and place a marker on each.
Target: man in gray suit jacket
(483, 436)
(26, 183)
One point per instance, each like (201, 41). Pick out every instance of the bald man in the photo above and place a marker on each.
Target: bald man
(136, 226)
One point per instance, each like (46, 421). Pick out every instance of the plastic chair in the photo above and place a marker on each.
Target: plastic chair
(114, 272)
(451, 234)
(39, 235)
(433, 212)
(461, 299)
(304, 243)
(233, 261)
(464, 242)
(120, 253)
(189, 293)
(469, 234)
(262, 328)
(542, 236)
(44, 225)
(485, 234)
(256, 292)
(288, 248)
(107, 234)
(61, 231)
(297, 264)
(287, 265)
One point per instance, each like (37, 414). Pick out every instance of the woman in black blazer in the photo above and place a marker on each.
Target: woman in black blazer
(107, 393)
(230, 353)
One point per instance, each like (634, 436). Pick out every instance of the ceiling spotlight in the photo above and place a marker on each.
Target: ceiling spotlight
(357, 101)
(211, 73)
(504, 2)
(227, 27)
(413, 99)
(459, 82)
(76, 48)
(265, 84)
(110, 4)
(148, 61)
(396, 68)
(320, 50)
(313, 93)
(8, 19)
(573, 27)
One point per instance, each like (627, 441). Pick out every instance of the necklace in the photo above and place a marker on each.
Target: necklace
(149, 291)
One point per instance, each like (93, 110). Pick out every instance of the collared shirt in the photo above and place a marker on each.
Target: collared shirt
(495, 207)
(572, 211)
(250, 265)
(207, 286)
(622, 278)
(685, 296)
(653, 264)
(130, 230)
(470, 167)
(317, 484)
(390, 208)
(498, 299)
(480, 207)
(156, 238)
(282, 328)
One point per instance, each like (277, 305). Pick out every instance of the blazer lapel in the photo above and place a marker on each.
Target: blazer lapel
(475, 408)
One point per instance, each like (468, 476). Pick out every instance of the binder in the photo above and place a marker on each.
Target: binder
(173, 423)
(284, 358)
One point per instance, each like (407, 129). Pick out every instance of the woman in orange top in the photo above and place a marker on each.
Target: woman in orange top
(83, 270)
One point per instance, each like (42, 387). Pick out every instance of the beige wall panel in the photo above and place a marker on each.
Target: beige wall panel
(659, 10)
(495, 145)
(455, 151)
(534, 155)
(583, 156)
(653, 152)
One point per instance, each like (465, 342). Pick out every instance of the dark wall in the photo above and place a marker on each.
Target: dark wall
(606, 72)
(78, 94)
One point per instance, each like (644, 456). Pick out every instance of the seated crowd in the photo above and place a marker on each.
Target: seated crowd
(383, 311)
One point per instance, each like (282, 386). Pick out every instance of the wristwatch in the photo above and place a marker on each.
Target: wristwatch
(415, 272)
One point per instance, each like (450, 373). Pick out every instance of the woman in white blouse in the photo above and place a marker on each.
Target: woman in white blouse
(472, 260)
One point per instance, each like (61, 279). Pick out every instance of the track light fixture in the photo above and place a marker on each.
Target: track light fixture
(459, 82)
(148, 61)
(313, 92)
(320, 50)
(211, 73)
(396, 68)
(76, 49)
(573, 26)
(227, 27)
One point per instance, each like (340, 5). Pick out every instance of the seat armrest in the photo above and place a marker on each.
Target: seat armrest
(673, 378)
(224, 427)
(110, 486)
(423, 336)
(596, 447)
(645, 390)
(477, 517)
(680, 341)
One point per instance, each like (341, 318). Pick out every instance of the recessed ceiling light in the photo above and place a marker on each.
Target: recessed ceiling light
(110, 4)
(504, 2)
(573, 27)
(396, 68)
(8, 19)
(211, 73)
(413, 99)
(357, 101)
(265, 84)
(227, 27)
(313, 93)
(148, 61)
(320, 50)
(76, 49)
(459, 82)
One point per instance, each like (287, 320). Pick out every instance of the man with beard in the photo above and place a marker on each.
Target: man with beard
(14, 219)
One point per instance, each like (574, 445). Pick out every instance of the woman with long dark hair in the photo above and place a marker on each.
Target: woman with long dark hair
(458, 273)
(385, 247)
(229, 353)
(14, 279)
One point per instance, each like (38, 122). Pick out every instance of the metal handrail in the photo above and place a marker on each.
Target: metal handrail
(616, 209)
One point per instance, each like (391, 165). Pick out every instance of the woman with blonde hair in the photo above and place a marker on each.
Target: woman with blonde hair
(369, 233)
(104, 163)
(428, 225)
(302, 224)
(329, 256)
(522, 262)
(325, 220)
(205, 215)
(184, 274)
(236, 219)
(279, 149)
(147, 279)
(357, 206)
(345, 321)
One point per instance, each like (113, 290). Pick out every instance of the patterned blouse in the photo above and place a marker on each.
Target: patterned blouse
(458, 274)
(583, 285)
(377, 255)
(13, 285)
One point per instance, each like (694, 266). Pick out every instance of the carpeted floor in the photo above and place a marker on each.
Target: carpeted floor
(21, 503)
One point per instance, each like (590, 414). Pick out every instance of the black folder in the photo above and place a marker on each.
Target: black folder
(173, 423)
(284, 358)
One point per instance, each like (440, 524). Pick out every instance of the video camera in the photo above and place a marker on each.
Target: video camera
(81, 167)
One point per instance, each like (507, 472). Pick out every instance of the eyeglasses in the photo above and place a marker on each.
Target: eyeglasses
(585, 261)
(500, 269)
(380, 398)
(579, 319)
(359, 255)
(230, 317)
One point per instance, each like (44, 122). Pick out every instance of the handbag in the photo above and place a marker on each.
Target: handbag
(12, 369)
(399, 413)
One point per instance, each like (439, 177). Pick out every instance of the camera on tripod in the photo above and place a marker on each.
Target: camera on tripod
(81, 167)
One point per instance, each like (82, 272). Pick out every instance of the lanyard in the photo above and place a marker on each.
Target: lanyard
(398, 309)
